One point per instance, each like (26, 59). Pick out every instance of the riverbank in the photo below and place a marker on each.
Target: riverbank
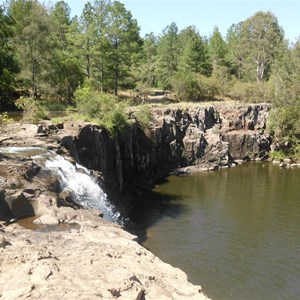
(73, 253)
(96, 260)
(180, 140)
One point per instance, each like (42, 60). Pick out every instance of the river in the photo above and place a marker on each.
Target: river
(236, 232)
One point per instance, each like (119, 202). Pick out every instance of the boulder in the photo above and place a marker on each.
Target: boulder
(19, 205)
(46, 220)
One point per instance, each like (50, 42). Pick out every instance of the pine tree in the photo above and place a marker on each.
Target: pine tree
(8, 65)
(168, 52)
(194, 52)
(32, 44)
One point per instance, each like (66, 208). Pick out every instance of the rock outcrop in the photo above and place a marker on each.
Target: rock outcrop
(178, 140)
(75, 253)
(92, 260)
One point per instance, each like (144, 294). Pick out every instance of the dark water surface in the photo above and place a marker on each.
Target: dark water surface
(236, 232)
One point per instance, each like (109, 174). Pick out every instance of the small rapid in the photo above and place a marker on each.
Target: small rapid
(85, 191)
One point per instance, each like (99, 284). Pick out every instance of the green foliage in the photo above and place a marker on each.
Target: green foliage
(193, 87)
(145, 72)
(261, 40)
(217, 49)
(33, 111)
(4, 120)
(251, 92)
(8, 65)
(209, 87)
(143, 115)
(104, 108)
(32, 44)
(278, 155)
(168, 51)
(186, 87)
(284, 122)
(193, 56)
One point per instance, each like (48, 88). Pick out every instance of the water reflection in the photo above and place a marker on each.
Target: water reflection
(236, 232)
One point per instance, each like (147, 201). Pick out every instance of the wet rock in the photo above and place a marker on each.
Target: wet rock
(65, 198)
(19, 205)
(32, 171)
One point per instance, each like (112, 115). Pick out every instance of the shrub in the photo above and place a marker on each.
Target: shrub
(185, 86)
(192, 87)
(104, 108)
(252, 92)
(33, 111)
(209, 87)
(4, 120)
(278, 155)
(143, 115)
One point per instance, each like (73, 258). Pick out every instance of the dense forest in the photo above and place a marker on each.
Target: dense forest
(47, 55)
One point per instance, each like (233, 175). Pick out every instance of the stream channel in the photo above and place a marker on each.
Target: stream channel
(235, 232)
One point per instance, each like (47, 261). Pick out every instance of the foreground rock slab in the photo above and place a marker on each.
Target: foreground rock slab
(96, 260)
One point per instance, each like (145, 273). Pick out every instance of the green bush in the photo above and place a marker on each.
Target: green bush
(278, 155)
(284, 122)
(185, 86)
(252, 92)
(143, 115)
(193, 87)
(103, 108)
(33, 111)
(4, 120)
(209, 87)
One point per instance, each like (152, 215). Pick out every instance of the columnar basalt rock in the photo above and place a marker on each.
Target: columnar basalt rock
(178, 140)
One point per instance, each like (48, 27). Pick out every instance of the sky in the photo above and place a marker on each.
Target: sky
(154, 16)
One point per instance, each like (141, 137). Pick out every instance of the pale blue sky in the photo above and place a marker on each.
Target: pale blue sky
(156, 15)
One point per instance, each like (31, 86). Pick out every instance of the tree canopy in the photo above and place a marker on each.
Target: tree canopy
(46, 54)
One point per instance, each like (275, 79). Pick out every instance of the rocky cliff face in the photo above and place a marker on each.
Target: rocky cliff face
(178, 140)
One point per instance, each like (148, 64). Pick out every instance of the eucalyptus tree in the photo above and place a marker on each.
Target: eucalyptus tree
(168, 54)
(261, 42)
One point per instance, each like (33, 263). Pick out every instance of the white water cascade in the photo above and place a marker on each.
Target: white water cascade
(85, 191)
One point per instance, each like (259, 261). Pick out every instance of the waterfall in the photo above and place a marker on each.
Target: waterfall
(85, 191)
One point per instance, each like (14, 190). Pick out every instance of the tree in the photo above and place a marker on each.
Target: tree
(234, 59)
(193, 56)
(125, 45)
(8, 65)
(65, 72)
(88, 38)
(260, 43)
(102, 46)
(146, 70)
(32, 43)
(168, 50)
(218, 49)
